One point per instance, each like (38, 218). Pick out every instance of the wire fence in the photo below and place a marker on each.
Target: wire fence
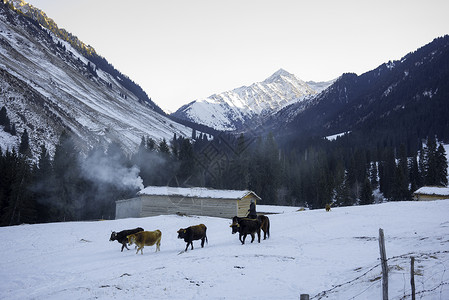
(431, 277)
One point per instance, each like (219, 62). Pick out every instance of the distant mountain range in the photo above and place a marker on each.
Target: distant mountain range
(399, 102)
(232, 110)
(51, 82)
(48, 85)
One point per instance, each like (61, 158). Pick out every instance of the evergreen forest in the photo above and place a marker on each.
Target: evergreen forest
(75, 186)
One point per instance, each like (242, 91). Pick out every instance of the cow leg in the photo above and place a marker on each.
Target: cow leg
(124, 246)
(158, 245)
(252, 237)
(141, 250)
(187, 247)
(258, 235)
(202, 242)
(244, 237)
(191, 244)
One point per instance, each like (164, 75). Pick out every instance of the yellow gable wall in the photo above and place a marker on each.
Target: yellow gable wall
(243, 205)
(421, 197)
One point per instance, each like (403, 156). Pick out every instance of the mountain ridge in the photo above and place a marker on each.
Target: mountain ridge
(231, 110)
(400, 101)
(47, 87)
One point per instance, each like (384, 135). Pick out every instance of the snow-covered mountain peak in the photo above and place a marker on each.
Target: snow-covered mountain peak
(279, 74)
(230, 110)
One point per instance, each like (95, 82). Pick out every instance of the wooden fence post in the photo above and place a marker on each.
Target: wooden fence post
(383, 260)
(412, 277)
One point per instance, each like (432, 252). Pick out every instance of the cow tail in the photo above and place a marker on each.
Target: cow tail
(268, 227)
(207, 240)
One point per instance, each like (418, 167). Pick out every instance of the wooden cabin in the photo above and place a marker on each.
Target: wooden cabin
(163, 200)
(427, 193)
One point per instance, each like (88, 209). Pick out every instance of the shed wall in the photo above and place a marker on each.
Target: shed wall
(243, 205)
(129, 208)
(421, 197)
(162, 205)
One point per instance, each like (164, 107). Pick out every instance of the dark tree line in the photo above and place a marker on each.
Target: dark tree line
(75, 186)
(70, 186)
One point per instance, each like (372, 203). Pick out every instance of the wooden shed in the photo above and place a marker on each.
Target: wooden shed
(427, 193)
(163, 200)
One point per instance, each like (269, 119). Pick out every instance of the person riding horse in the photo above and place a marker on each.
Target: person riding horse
(252, 210)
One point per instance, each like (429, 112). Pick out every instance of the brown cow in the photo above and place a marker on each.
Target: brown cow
(145, 238)
(264, 225)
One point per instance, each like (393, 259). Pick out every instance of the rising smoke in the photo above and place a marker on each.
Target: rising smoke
(111, 170)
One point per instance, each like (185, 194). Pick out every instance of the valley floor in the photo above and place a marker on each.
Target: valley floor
(332, 255)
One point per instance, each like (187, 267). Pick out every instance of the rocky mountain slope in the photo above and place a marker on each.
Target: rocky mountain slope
(231, 110)
(48, 86)
(405, 99)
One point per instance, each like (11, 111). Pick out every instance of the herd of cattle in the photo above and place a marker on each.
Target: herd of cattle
(141, 238)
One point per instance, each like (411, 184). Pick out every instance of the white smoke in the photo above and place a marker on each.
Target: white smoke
(101, 168)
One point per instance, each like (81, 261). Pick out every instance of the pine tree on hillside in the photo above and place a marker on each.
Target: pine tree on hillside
(187, 169)
(374, 175)
(18, 203)
(441, 166)
(366, 196)
(67, 174)
(43, 186)
(164, 148)
(431, 163)
(415, 176)
(24, 147)
(343, 194)
(401, 190)
(387, 169)
(3, 116)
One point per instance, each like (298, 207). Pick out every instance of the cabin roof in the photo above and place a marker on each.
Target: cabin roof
(433, 190)
(195, 192)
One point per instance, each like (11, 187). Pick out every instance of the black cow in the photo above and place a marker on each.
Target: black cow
(245, 226)
(189, 234)
(121, 236)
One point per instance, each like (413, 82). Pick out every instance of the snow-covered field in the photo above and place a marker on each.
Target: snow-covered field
(333, 255)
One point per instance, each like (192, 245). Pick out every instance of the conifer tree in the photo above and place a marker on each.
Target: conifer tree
(400, 190)
(3, 116)
(43, 186)
(19, 206)
(387, 169)
(366, 196)
(164, 148)
(343, 194)
(374, 175)
(415, 176)
(67, 174)
(24, 147)
(441, 163)
(431, 163)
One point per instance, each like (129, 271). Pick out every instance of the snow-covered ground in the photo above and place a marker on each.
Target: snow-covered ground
(325, 254)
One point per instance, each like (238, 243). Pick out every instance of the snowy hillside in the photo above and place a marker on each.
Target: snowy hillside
(231, 109)
(47, 87)
(328, 255)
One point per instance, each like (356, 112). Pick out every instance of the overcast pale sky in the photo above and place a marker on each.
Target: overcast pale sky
(179, 51)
